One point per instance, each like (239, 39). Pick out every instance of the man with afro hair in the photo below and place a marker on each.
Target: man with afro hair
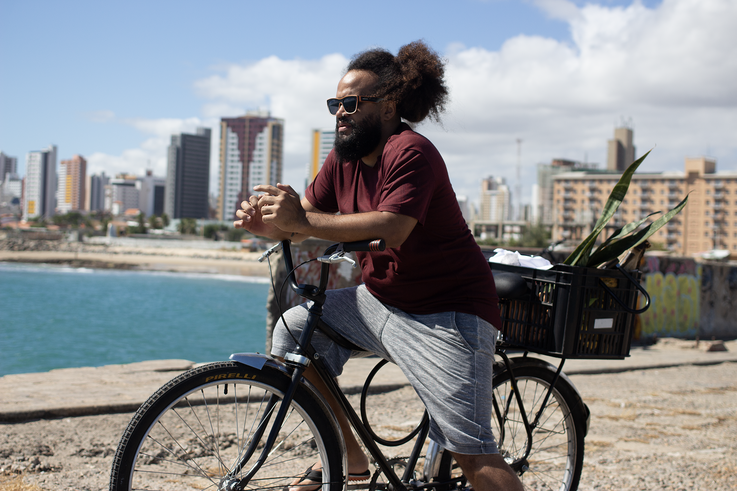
(428, 302)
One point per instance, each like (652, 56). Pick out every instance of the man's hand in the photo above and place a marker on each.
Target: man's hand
(252, 221)
(281, 206)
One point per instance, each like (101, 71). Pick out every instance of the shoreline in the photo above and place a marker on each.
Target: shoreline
(171, 260)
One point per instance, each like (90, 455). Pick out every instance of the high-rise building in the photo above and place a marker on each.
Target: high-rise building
(496, 200)
(151, 194)
(8, 165)
(40, 188)
(95, 196)
(121, 194)
(620, 150)
(251, 153)
(188, 175)
(322, 143)
(71, 192)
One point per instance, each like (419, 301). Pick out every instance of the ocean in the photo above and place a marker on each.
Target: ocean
(61, 317)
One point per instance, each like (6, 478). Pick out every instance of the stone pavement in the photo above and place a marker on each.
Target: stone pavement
(122, 388)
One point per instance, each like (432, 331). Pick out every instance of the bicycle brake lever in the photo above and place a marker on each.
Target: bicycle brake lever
(337, 257)
(269, 252)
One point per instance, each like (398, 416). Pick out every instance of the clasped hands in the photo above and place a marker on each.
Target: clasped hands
(276, 213)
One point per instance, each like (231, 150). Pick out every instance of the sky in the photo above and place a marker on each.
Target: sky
(112, 81)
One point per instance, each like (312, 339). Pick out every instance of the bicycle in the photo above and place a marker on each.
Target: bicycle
(255, 423)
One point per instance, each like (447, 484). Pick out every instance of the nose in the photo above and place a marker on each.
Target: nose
(341, 111)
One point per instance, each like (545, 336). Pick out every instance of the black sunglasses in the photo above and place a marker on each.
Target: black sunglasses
(349, 103)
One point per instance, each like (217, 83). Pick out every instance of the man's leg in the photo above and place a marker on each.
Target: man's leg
(488, 472)
(357, 460)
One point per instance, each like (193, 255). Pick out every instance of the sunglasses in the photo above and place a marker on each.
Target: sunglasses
(350, 103)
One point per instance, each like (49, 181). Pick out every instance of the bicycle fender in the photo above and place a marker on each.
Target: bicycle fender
(253, 360)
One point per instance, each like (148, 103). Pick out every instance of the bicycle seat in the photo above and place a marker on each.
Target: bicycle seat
(510, 285)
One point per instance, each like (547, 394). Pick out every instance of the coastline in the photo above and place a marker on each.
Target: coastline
(138, 257)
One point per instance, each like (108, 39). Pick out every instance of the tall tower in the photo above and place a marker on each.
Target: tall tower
(620, 150)
(40, 192)
(322, 143)
(71, 192)
(251, 153)
(188, 175)
(495, 200)
(95, 195)
(8, 165)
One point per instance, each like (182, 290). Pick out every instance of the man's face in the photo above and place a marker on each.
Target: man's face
(357, 134)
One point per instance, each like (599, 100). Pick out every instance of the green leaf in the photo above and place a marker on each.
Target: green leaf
(583, 251)
(615, 248)
(625, 231)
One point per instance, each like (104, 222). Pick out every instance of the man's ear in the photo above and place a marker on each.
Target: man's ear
(389, 110)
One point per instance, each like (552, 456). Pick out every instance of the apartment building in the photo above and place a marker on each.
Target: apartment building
(708, 222)
(71, 188)
(251, 153)
(40, 187)
(322, 144)
(188, 175)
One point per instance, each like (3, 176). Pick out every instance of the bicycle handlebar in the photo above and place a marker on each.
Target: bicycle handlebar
(314, 292)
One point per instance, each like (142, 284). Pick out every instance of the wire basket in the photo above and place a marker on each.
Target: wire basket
(572, 312)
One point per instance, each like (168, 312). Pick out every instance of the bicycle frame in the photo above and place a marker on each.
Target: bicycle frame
(304, 355)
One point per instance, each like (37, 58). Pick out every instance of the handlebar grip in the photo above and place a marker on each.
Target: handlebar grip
(365, 246)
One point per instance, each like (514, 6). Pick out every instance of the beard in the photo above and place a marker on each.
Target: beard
(364, 138)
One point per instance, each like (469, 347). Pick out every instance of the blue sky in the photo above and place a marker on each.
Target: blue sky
(113, 80)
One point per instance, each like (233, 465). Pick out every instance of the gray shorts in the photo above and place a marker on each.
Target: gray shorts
(447, 357)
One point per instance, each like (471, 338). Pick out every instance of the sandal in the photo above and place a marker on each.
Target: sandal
(314, 476)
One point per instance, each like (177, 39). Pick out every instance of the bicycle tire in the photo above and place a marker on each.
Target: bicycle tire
(556, 457)
(190, 433)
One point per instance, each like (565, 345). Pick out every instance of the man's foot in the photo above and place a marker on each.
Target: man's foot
(312, 479)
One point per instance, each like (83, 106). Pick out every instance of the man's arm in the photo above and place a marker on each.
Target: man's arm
(282, 207)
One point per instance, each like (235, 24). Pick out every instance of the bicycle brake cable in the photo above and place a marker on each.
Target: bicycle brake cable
(277, 296)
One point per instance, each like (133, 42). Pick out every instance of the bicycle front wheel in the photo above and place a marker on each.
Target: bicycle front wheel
(555, 457)
(194, 432)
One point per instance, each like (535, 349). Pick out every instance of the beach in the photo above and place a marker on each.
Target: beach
(140, 254)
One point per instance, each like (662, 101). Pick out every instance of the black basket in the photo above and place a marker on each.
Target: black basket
(572, 312)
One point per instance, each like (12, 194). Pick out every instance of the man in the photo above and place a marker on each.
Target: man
(428, 302)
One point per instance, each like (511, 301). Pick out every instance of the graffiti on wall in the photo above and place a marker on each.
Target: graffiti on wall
(675, 292)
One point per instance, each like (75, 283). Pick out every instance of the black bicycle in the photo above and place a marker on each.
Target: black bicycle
(255, 423)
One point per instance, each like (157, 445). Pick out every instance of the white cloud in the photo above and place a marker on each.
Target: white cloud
(670, 69)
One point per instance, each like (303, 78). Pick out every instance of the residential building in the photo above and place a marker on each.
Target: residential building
(151, 194)
(322, 143)
(496, 200)
(71, 189)
(40, 188)
(8, 165)
(251, 153)
(709, 220)
(188, 175)
(95, 196)
(121, 194)
(11, 189)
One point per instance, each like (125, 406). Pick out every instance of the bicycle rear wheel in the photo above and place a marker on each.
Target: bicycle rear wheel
(555, 458)
(193, 431)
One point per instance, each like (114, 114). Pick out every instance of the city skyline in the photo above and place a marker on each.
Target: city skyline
(559, 75)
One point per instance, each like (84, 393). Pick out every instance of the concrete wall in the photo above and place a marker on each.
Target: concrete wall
(689, 299)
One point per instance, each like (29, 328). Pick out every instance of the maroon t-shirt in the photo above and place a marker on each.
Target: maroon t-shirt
(439, 267)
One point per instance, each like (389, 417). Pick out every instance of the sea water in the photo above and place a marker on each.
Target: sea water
(61, 317)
